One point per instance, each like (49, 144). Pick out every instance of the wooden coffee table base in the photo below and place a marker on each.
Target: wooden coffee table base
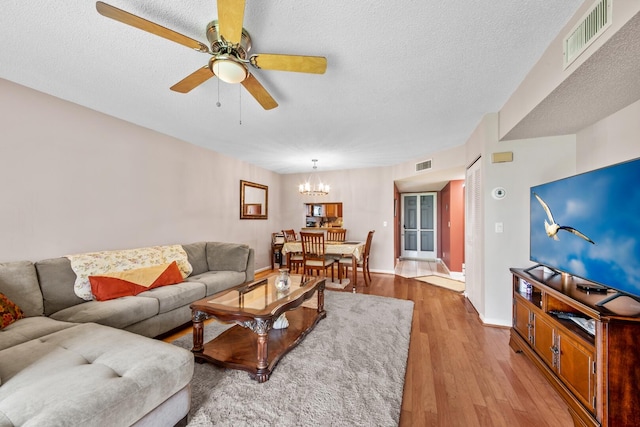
(255, 348)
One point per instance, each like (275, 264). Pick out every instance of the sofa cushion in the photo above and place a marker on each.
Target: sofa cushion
(118, 313)
(56, 282)
(227, 256)
(217, 281)
(30, 328)
(89, 375)
(132, 282)
(19, 282)
(9, 311)
(172, 297)
(197, 256)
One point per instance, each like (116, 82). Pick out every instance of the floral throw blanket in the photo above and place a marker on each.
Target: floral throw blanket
(97, 263)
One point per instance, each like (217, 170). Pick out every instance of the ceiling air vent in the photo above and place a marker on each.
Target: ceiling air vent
(423, 165)
(589, 28)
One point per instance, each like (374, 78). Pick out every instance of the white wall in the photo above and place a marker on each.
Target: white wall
(534, 161)
(75, 180)
(446, 165)
(367, 199)
(611, 140)
(367, 202)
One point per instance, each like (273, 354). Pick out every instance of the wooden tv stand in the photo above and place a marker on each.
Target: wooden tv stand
(597, 375)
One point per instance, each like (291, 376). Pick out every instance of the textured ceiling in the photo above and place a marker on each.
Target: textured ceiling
(404, 79)
(605, 83)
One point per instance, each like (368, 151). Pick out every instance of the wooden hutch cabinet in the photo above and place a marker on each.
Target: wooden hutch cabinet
(598, 374)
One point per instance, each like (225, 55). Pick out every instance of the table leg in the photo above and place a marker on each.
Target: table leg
(263, 350)
(197, 318)
(273, 254)
(261, 328)
(354, 266)
(320, 299)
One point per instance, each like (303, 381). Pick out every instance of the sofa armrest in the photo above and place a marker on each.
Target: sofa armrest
(251, 270)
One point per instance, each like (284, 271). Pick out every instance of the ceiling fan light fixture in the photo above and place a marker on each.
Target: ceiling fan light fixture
(228, 69)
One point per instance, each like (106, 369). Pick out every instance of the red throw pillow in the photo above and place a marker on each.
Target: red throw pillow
(9, 311)
(132, 282)
(170, 276)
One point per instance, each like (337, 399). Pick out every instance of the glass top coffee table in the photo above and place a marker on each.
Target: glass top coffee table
(253, 344)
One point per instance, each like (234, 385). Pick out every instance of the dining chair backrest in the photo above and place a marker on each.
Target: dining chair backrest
(337, 234)
(289, 235)
(313, 255)
(312, 245)
(367, 245)
(277, 238)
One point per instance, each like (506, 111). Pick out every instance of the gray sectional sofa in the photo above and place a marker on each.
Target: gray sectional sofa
(77, 362)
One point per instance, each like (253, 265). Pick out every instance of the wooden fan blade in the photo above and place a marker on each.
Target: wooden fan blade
(193, 80)
(301, 64)
(148, 26)
(230, 18)
(259, 92)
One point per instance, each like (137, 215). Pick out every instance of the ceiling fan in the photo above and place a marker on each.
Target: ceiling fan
(230, 44)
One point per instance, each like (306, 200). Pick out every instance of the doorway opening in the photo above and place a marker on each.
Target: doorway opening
(419, 226)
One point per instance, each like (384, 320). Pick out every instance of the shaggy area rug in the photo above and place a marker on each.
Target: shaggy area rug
(349, 371)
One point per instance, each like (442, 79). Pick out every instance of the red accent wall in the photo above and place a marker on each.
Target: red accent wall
(452, 225)
(444, 235)
(397, 200)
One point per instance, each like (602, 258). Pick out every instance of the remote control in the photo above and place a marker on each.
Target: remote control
(562, 314)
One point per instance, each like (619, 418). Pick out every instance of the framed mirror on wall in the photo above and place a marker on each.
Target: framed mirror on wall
(254, 200)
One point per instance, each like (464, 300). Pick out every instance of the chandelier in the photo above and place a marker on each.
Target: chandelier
(315, 188)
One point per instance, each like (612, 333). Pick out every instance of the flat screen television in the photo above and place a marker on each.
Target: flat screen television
(588, 226)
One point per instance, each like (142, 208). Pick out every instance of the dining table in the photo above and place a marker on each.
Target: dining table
(353, 249)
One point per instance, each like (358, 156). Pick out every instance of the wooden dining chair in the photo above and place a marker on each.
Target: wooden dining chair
(313, 253)
(290, 235)
(336, 234)
(294, 258)
(363, 263)
(277, 241)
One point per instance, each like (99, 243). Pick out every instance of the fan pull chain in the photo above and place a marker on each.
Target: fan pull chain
(218, 103)
(240, 103)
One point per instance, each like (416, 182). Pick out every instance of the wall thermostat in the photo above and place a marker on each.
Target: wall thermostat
(498, 193)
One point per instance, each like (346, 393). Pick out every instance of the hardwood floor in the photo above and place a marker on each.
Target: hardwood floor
(459, 372)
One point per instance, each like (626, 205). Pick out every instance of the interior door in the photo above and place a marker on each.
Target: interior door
(419, 226)
(474, 236)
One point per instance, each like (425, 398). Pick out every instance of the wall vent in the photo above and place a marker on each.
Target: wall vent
(587, 30)
(423, 165)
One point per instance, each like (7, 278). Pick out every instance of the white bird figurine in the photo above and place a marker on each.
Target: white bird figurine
(552, 228)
